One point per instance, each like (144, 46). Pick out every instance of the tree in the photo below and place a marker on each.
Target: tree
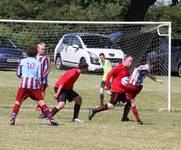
(137, 10)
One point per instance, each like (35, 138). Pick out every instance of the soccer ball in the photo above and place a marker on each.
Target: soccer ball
(124, 81)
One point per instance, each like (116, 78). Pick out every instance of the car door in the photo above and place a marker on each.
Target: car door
(66, 50)
(76, 50)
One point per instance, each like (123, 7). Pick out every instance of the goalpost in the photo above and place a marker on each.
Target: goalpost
(139, 39)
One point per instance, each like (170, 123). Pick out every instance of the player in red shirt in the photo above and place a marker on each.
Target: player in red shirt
(118, 90)
(64, 90)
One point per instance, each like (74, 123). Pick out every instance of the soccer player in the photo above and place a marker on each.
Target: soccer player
(117, 90)
(135, 84)
(45, 64)
(106, 65)
(30, 73)
(64, 90)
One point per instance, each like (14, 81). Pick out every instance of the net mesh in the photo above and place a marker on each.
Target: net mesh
(139, 40)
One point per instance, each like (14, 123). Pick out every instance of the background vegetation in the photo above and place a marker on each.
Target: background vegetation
(92, 10)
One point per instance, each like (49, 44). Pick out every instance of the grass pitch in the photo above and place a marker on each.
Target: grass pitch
(161, 130)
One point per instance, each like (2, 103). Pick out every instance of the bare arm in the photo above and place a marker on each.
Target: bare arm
(58, 91)
(155, 79)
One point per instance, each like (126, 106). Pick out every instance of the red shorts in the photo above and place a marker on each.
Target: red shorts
(35, 94)
(132, 91)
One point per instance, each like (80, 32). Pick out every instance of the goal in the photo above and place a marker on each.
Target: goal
(139, 39)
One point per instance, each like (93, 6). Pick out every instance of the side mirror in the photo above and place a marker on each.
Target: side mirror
(75, 46)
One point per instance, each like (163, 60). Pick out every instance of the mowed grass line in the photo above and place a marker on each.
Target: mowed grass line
(161, 130)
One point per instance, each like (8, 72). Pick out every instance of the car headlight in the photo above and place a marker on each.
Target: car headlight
(93, 58)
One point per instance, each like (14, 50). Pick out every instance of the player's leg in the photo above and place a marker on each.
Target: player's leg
(110, 105)
(131, 93)
(47, 112)
(61, 100)
(77, 105)
(101, 92)
(22, 94)
(135, 111)
(43, 88)
(101, 96)
(15, 112)
(73, 96)
(37, 95)
(58, 107)
(127, 107)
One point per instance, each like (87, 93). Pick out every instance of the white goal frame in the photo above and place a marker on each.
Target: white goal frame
(160, 24)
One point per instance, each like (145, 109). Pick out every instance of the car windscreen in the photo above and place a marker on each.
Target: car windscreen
(97, 42)
(6, 43)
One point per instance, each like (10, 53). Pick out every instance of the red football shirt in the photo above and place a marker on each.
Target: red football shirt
(68, 79)
(117, 73)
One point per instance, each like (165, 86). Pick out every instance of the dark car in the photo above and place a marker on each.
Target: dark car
(10, 55)
(176, 56)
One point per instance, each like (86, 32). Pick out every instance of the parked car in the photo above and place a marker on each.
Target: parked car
(10, 55)
(74, 47)
(176, 56)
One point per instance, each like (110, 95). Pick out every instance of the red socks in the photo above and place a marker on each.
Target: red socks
(135, 112)
(101, 108)
(47, 111)
(15, 110)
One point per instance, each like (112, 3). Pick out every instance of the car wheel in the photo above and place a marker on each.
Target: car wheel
(58, 63)
(179, 70)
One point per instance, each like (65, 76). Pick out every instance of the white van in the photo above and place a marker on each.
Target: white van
(76, 46)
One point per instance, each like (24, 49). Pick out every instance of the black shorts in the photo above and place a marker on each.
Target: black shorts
(117, 97)
(66, 94)
(103, 83)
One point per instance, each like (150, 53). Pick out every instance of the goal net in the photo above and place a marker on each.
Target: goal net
(87, 40)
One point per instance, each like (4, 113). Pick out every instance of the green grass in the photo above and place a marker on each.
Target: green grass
(161, 130)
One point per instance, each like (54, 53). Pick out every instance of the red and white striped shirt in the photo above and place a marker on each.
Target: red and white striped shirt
(45, 64)
(139, 74)
(30, 72)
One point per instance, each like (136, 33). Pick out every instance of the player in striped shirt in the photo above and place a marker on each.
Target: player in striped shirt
(30, 73)
(106, 65)
(135, 84)
(45, 64)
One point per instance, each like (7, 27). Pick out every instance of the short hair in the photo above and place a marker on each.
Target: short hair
(32, 51)
(83, 64)
(151, 62)
(41, 44)
(152, 58)
(101, 54)
(126, 56)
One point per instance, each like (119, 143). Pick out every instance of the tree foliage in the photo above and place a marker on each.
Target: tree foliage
(93, 10)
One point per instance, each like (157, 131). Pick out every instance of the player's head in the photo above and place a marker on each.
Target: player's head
(41, 48)
(128, 61)
(32, 51)
(152, 59)
(83, 66)
(102, 57)
(151, 63)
